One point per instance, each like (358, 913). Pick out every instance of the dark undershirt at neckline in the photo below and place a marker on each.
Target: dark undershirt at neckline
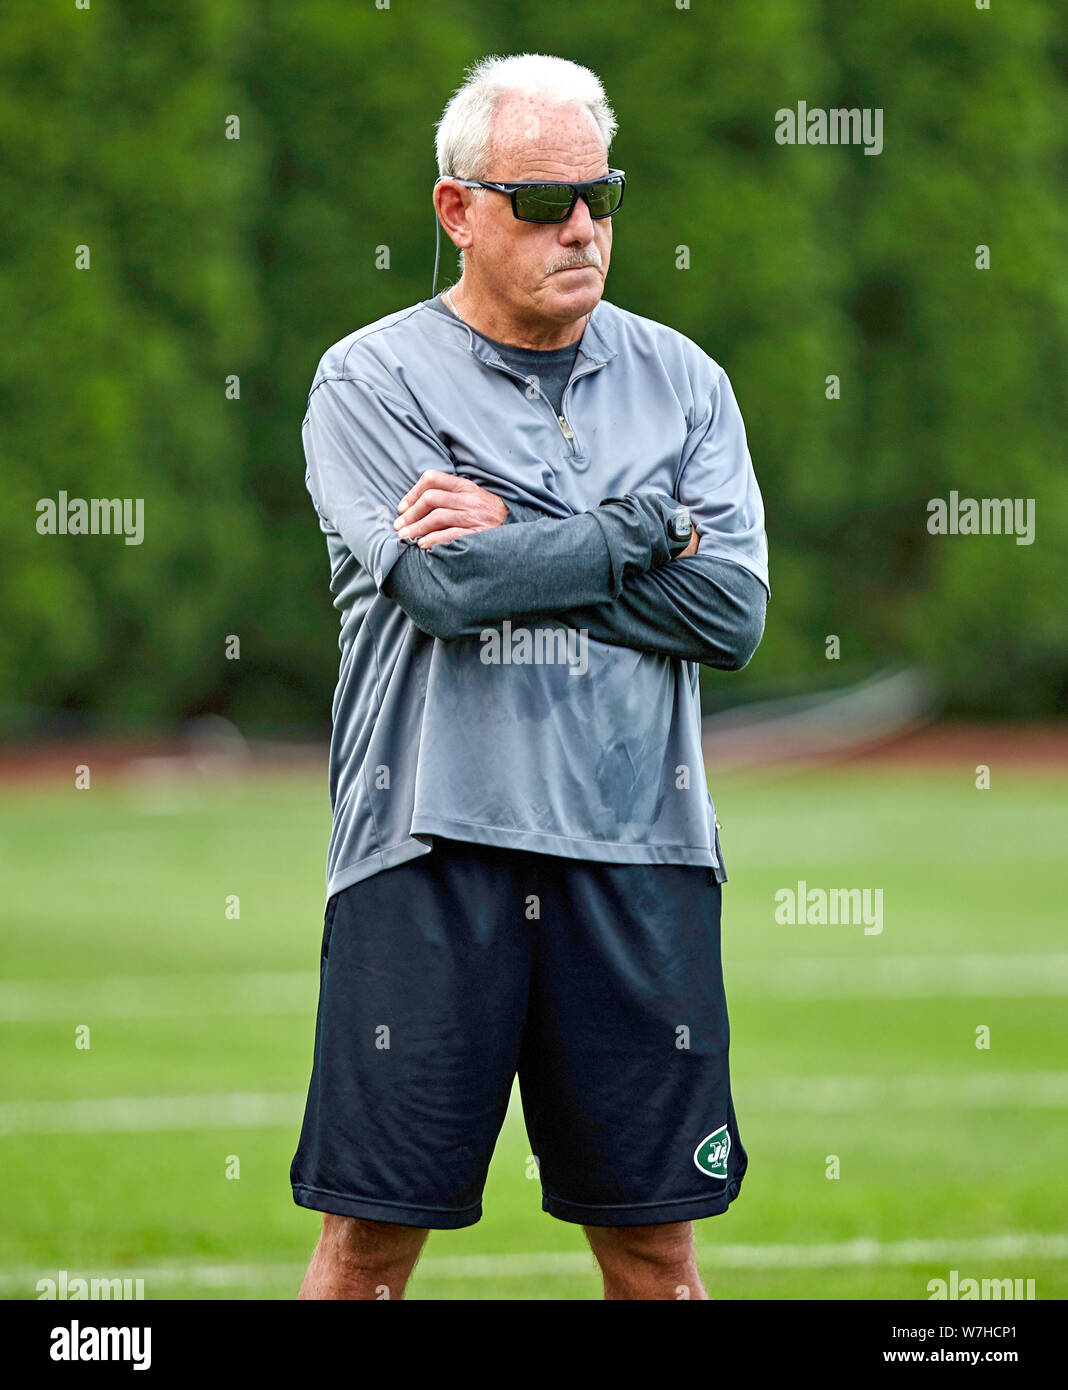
(551, 366)
(535, 354)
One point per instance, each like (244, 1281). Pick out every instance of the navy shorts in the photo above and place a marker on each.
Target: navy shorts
(599, 984)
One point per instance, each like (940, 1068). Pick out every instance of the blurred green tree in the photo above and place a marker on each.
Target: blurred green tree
(214, 258)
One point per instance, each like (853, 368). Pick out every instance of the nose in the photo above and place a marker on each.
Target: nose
(579, 226)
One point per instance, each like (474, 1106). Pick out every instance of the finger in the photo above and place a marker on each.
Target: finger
(433, 497)
(437, 519)
(439, 537)
(433, 477)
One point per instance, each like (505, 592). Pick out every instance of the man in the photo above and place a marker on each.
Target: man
(541, 514)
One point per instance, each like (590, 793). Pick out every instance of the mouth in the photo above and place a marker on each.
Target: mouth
(564, 269)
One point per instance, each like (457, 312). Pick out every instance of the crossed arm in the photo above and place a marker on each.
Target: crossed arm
(608, 571)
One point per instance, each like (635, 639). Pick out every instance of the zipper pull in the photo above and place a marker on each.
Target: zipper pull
(568, 432)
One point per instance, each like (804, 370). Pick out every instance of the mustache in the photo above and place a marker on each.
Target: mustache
(591, 258)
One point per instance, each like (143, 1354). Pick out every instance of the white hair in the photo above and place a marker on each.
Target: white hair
(466, 125)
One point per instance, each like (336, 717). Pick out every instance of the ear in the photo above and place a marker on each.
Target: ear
(451, 203)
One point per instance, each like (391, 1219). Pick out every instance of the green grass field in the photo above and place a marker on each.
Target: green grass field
(860, 1046)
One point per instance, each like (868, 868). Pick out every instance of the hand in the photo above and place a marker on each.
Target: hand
(442, 506)
(691, 549)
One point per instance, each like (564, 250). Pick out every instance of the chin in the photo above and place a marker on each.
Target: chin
(581, 299)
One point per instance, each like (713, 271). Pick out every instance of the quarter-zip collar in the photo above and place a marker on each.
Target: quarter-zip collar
(593, 345)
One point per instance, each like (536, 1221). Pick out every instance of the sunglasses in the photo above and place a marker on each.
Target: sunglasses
(555, 202)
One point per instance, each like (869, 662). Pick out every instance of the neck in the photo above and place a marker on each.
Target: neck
(493, 321)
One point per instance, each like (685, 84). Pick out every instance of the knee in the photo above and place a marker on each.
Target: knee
(356, 1244)
(660, 1247)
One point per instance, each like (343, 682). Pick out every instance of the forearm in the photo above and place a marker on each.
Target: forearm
(521, 511)
(460, 588)
(698, 608)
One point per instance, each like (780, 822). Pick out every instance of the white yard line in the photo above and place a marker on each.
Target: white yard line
(879, 976)
(258, 1110)
(861, 1252)
(157, 996)
(1028, 1090)
(137, 1114)
(871, 975)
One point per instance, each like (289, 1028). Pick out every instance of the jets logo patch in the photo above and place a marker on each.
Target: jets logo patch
(711, 1153)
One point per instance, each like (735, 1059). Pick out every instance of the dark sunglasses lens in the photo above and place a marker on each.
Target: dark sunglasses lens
(544, 202)
(605, 198)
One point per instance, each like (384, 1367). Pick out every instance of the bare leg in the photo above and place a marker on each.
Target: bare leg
(362, 1259)
(650, 1262)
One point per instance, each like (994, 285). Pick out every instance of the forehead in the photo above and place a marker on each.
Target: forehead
(535, 140)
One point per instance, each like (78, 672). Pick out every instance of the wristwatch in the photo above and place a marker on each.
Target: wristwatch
(679, 529)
